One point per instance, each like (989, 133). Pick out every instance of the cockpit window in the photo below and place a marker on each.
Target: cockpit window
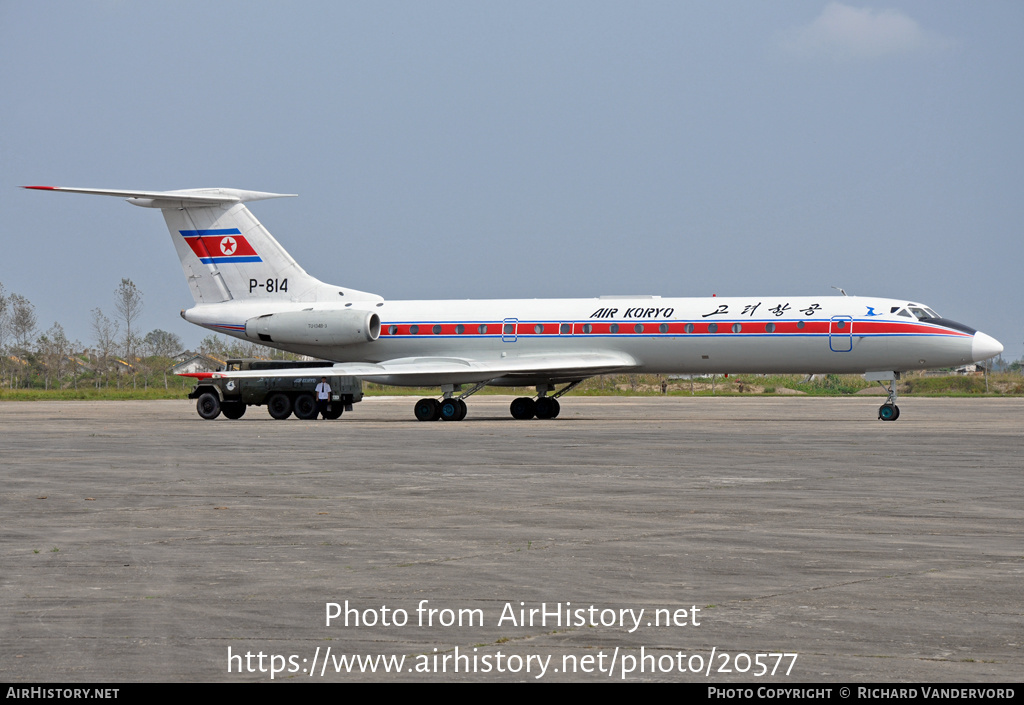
(921, 313)
(904, 312)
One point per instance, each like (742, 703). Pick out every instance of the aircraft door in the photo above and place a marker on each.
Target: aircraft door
(840, 334)
(509, 330)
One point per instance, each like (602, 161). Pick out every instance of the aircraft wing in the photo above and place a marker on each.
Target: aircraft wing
(434, 371)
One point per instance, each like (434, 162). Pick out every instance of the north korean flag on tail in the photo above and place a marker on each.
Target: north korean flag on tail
(222, 246)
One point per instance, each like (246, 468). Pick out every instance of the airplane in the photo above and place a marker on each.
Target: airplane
(246, 285)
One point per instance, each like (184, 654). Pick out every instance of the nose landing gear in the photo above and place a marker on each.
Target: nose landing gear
(887, 411)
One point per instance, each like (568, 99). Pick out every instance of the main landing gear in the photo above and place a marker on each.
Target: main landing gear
(525, 408)
(543, 407)
(450, 407)
(889, 411)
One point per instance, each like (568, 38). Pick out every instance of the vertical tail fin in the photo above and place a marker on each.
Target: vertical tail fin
(225, 253)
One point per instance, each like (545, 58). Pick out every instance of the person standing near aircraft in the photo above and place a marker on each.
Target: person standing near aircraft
(323, 397)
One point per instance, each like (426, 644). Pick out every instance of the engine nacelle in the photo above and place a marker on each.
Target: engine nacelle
(344, 327)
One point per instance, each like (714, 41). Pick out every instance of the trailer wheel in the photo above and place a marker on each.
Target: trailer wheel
(335, 410)
(305, 407)
(208, 406)
(279, 406)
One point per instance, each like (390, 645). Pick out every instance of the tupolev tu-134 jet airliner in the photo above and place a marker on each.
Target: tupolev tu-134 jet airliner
(246, 285)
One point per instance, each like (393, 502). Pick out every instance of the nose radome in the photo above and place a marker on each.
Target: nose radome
(984, 347)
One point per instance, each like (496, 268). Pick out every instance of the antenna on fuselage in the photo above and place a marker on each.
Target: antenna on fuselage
(841, 291)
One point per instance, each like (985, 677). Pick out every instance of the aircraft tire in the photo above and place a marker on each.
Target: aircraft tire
(427, 410)
(888, 412)
(463, 409)
(450, 409)
(523, 408)
(547, 408)
(305, 407)
(208, 406)
(279, 406)
(233, 409)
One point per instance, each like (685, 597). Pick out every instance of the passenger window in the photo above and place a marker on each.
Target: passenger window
(614, 328)
(437, 330)
(712, 328)
(663, 327)
(565, 328)
(587, 328)
(460, 329)
(638, 328)
(482, 329)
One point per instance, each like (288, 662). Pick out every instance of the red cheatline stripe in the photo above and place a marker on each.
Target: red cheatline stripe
(678, 328)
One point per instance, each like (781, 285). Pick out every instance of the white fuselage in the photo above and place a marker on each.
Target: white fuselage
(776, 334)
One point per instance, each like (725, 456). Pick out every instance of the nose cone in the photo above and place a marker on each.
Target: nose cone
(984, 347)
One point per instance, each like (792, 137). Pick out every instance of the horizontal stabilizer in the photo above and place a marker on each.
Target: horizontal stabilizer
(172, 199)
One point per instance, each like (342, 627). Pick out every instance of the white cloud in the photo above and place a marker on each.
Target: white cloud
(844, 32)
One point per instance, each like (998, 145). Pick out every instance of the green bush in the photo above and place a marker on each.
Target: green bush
(955, 384)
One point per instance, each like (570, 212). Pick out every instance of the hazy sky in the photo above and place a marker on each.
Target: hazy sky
(526, 149)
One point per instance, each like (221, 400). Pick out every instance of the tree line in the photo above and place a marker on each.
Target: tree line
(117, 355)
